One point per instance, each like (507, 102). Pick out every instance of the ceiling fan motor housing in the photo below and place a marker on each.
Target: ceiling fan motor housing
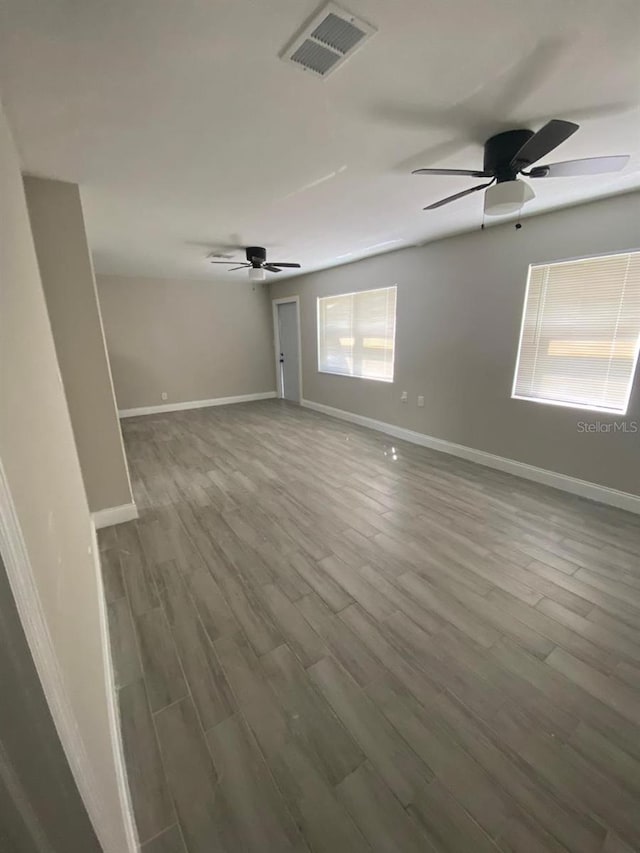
(500, 150)
(256, 255)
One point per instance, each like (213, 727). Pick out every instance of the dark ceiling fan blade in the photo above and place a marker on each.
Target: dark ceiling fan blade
(588, 166)
(270, 267)
(541, 143)
(230, 261)
(469, 172)
(284, 264)
(241, 267)
(456, 196)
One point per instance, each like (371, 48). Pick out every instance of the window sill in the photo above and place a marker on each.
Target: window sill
(579, 406)
(355, 376)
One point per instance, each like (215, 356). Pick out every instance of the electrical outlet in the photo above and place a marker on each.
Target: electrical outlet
(164, 395)
(420, 401)
(404, 397)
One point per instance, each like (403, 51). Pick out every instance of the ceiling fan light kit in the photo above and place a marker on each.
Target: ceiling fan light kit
(257, 274)
(507, 197)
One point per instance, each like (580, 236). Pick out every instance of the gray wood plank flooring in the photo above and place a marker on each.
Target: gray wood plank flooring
(323, 644)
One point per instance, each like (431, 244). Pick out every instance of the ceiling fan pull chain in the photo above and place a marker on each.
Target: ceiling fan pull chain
(518, 224)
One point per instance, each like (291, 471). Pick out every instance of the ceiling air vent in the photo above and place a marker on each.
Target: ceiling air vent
(328, 40)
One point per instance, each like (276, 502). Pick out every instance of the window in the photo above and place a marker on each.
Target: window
(581, 333)
(356, 334)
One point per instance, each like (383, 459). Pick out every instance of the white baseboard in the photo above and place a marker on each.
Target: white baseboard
(27, 598)
(114, 515)
(583, 488)
(196, 404)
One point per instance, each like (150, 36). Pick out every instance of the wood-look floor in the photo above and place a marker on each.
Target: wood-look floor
(328, 640)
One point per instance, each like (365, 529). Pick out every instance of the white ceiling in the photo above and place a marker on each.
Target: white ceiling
(187, 133)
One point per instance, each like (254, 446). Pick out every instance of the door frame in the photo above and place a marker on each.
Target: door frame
(276, 342)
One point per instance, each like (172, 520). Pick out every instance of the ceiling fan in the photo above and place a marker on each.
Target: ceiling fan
(508, 154)
(256, 263)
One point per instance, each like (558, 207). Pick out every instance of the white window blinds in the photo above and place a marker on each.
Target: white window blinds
(356, 334)
(581, 333)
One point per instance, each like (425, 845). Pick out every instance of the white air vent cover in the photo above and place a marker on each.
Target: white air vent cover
(328, 40)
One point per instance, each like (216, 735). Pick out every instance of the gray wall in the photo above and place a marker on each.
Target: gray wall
(57, 224)
(193, 339)
(42, 470)
(40, 808)
(459, 310)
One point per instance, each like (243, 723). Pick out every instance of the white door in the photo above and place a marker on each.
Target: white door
(289, 355)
